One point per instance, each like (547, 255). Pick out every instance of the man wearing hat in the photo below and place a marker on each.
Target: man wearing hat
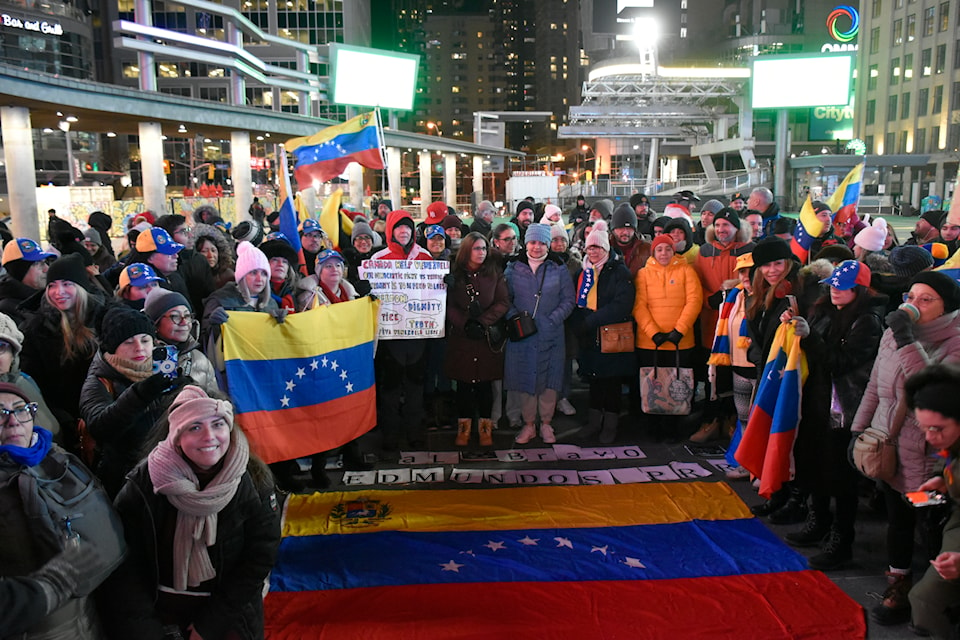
(101, 257)
(436, 212)
(602, 209)
(156, 248)
(707, 211)
(738, 202)
(625, 238)
(686, 199)
(645, 214)
(191, 265)
(25, 266)
(927, 228)
(579, 213)
(312, 241)
(523, 218)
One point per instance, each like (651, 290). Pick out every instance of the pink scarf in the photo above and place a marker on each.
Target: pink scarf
(197, 509)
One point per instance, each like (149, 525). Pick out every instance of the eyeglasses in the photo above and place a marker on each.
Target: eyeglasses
(23, 414)
(932, 429)
(510, 239)
(179, 318)
(909, 297)
(183, 230)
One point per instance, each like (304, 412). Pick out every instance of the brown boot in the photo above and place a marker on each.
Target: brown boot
(464, 425)
(895, 608)
(709, 431)
(486, 432)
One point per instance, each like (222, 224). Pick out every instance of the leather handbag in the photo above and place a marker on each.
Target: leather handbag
(617, 338)
(521, 326)
(666, 390)
(875, 454)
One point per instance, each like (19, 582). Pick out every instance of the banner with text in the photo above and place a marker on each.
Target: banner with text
(413, 296)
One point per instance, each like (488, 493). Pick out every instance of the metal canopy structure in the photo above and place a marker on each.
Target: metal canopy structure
(662, 105)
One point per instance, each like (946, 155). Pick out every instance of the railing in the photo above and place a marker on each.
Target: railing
(728, 182)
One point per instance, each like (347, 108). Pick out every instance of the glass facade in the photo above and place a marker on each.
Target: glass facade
(52, 37)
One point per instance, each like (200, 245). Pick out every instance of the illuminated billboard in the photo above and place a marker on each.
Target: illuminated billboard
(782, 82)
(373, 78)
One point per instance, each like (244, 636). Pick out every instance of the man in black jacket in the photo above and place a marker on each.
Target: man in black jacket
(26, 273)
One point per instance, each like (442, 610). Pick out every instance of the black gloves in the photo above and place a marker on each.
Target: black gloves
(449, 279)
(660, 338)
(474, 310)
(363, 287)
(715, 300)
(218, 317)
(901, 325)
(474, 330)
(675, 337)
(153, 387)
(279, 315)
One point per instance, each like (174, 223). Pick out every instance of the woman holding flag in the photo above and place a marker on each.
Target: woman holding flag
(840, 341)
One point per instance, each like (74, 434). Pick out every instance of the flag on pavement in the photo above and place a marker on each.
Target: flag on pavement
(766, 447)
(326, 154)
(807, 229)
(843, 202)
(306, 385)
(546, 562)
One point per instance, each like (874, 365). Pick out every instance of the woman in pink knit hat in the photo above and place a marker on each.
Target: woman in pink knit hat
(202, 525)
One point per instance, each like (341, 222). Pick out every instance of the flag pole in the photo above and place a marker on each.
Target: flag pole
(385, 182)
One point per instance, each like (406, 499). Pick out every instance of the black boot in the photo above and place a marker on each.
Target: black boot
(815, 529)
(795, 509)
(836, 551)
(777, 500)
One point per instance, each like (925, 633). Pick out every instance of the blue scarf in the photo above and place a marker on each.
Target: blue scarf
(32, 455)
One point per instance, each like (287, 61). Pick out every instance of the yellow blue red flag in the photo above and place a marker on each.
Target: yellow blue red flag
(766, 448)
(807, 229)
(845, 199)
(306, 385)
(326, 154)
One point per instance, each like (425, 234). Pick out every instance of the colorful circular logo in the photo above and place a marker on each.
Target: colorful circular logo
(851, 14)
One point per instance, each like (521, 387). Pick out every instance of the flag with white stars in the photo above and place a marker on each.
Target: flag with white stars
(306, 385)
(326, 154)
(607, 561)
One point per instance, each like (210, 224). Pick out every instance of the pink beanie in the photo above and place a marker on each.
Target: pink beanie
(872, 238)
(192, 405)
(599, 236)
(550, 211)
(249, 258)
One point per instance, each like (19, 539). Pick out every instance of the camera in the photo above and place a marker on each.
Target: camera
(165, 360)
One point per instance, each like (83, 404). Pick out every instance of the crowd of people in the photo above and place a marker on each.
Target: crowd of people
(111, 362)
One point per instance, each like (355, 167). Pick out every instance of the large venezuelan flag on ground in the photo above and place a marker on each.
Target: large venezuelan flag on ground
(306, 385)
(843, 202)
(766, 447)
(608, 561)
(807, 229)
(326, 154)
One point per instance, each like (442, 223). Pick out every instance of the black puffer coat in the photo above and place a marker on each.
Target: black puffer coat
(615, 297)
(248, 535)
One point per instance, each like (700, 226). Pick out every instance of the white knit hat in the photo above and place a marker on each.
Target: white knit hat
(599, 236)
(249, 258)
(872, 238)
(549, 211)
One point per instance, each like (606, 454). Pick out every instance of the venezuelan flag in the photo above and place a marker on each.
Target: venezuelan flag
(306, 385)
(653, 561)
(808, 228)
(766, 447)
(288, 218)
(845, 199)
(326, 154)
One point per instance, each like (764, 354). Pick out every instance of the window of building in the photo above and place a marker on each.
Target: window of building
(926, 59)
(892, 108)
(890, 142)
(871, 111)
(131, 70)
(898, 31)
(920, 141)
(898, 4)
(944, 16)
(214, 94)
(955, 96)
(877, 8)
(928, 17)
(895, 71)
(875, 40)
(908, 67)
(941, 58)
(937, 99)
(923, 99)
(904, 140)
(953, 137)
(934, 138)
(868, 141)
(911, 27)
(872, 78)
(905, 106)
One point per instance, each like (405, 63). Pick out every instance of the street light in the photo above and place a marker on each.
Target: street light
(435, 126)
(584, 149)
(64, 125)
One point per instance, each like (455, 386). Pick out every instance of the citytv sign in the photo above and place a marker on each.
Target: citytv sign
(844, 13)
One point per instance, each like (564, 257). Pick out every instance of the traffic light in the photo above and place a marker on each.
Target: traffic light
(166, 167)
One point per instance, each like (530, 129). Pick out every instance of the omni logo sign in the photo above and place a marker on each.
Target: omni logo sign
(850, 14)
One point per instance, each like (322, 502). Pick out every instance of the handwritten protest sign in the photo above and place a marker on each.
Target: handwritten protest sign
(413, 297)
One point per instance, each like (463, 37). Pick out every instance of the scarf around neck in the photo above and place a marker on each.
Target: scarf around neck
(134, 371)
(30, 456)
(587, 283)
(197, 510)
